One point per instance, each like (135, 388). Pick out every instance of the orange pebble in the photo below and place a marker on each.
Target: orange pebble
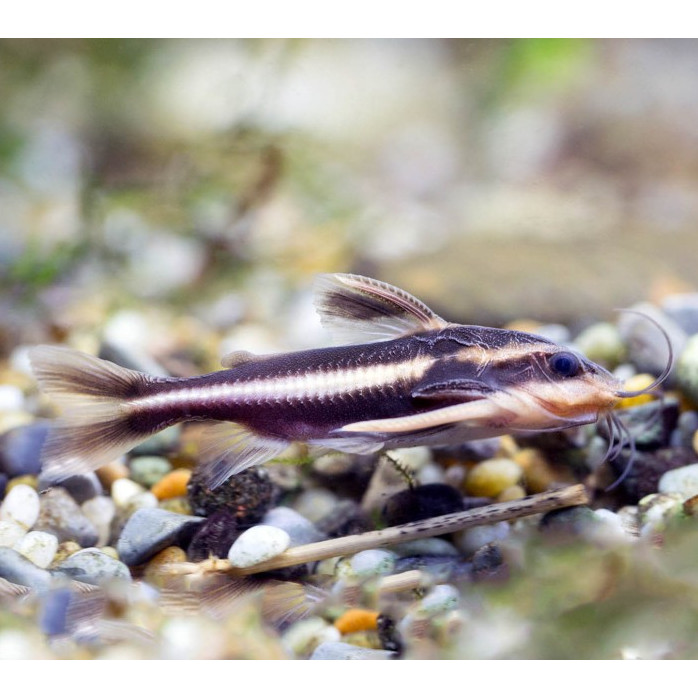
(174, 484)
(355, 620)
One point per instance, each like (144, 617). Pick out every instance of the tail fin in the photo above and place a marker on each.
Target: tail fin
(95, 426)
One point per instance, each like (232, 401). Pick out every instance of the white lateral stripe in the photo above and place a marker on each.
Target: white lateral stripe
(316, 385)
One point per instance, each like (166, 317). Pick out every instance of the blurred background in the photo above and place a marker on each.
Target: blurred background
(166, 188)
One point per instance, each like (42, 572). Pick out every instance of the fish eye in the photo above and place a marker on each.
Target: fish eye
(565, 364)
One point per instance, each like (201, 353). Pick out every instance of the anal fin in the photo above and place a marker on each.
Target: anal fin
(230, 448)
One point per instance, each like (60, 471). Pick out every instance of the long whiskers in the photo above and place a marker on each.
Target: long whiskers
(619, 429)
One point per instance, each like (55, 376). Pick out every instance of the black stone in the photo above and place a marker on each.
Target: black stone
(247, 496)
(215, 537)
(388, 634)
(646, 470)
(422, 502)
(488, 564)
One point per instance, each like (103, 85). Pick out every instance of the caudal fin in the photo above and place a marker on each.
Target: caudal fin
(95, 425)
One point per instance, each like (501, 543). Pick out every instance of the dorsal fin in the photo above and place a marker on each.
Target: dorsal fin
(357, 310)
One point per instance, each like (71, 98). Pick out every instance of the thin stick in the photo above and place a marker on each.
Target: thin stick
(439, 525)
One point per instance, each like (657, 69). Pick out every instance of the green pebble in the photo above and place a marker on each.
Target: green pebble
(602, 343)
(149, 470)
(178, 505)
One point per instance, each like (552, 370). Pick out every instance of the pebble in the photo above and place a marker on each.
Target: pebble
(651, 424)
(11, 398)
(602, 343)
(315, 504)
(343, 650)
(431, 474)
(20, 449)
(300, 530)
(347, 518)
(303, 636)
(647, 348)
(683, 309)
(567, 524)
(148, 531)
(149, 470)
(214, 537)
(443, 597)
(155, 571)
(16, 568)
(537, 471)
(511, 493)
(10, 533)
(178, 505)
(61, 516)
(658, 509)
(610, 528)
(161, 442)
(640, 381)
(471, 539)
(80, 487)
(124, 490)
(356, 620)
(3, 485)
(65, 549)
(491, 477)
(248, 495)
(488, 564)
(686, 433)
(687, 370)
(683, 481)
(174, 484)
(93, 566)
(425, 547)
(39, 547)
(373, 563)
(21, 506)
(258, 544)
(421, 502)
(100, 511)
(110, 473)
(53, 613)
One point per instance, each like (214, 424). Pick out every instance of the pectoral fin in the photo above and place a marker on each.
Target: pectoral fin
(464, 389)
(477, 413)
(356, 309)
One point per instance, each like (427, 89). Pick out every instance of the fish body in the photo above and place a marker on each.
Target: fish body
(402, 377)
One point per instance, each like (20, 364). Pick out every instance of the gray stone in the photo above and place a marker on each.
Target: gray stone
(20, 449)
(646, 345)
(15, 568)
(92, 566)
(148, 470)
(80, 487)
(61, 515)
(300, 530)
(148, 531)
(343, 650)
(683, 309)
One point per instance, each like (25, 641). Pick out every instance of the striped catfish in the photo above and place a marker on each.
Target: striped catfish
(403, 376)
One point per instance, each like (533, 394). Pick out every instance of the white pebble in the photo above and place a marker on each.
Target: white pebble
(39, 547)
(609, 529)
(123, 490)
(443, 597)
(683, 481)
(258, 544)
(100, 512)
(10, 533)
(372, 563)
(11, 398)
(431, 474)
(303, 636)
(415, 457)
(315, 504)
(21, 506)
(472, 539)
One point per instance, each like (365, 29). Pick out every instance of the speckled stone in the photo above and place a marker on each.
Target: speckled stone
(21, 506)
(10, 533)
(683, 481)
(20, 449)
(343, 650)
(39, 547)
(148, 531)
(372, 563)
(258, 544)
(61, 516)
(148, 470)
(93, 566)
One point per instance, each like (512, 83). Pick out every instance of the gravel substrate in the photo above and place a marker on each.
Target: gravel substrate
(143, 560)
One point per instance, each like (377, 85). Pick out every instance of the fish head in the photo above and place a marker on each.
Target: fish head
(544, 385)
